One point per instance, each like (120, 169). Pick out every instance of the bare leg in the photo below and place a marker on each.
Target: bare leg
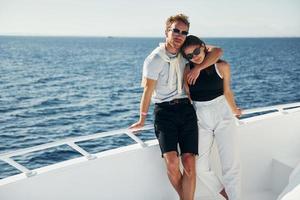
(189, 176)
(174, 174)
(224, 194)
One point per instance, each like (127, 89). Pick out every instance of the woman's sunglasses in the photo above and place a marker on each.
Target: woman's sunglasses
(196, 52)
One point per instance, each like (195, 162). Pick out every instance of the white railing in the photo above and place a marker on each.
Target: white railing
(282, 108)
(7, 157)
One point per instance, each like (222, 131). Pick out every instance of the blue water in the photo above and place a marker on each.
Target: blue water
(58, 87)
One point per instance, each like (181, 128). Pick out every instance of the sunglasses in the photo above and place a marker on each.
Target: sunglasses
(176, 30)
(196, 52)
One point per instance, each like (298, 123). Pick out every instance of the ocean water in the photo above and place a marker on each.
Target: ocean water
(58, 87)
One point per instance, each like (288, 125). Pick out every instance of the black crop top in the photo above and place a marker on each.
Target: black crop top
(208, 86)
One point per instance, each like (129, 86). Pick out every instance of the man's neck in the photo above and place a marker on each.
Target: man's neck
(171, 49)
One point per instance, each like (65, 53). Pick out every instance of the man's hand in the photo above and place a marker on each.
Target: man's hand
(137, 125)
(193, 75)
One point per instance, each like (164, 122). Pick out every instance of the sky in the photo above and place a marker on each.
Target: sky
(146, 18)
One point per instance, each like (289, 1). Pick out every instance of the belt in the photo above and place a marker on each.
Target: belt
(174, 102)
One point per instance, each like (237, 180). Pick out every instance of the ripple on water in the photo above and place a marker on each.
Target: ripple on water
(81, 86)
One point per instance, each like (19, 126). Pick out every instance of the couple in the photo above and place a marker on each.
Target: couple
(180, 70)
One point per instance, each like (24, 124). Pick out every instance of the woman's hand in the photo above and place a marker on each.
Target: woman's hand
(237, 112)
(192, 75)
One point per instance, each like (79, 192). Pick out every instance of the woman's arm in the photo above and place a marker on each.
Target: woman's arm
(149, 86)
(212, 56)
(185, 82)
(224, 69)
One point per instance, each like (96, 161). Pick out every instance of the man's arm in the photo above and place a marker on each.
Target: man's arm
(149, 86)
(213, 55)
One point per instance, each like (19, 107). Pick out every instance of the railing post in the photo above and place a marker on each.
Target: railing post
(135, 138)
(81, 151)
(20, 167)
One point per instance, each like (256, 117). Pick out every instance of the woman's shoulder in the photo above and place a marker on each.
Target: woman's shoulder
(223, 67)
(222, 64)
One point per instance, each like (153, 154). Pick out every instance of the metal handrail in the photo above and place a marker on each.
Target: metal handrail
(280, 108)
(74, 140)
(7, 157)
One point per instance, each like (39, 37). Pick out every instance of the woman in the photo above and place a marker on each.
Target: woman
(215, 107)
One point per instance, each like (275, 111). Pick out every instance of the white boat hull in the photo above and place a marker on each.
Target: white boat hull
(269, 149)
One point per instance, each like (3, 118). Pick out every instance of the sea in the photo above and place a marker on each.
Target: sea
(53, 88)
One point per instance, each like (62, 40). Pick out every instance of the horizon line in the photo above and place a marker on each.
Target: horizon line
(109, 36)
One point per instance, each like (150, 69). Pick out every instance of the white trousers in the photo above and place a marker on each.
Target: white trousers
(216, 122)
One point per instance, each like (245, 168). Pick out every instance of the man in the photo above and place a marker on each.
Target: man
(175, 118)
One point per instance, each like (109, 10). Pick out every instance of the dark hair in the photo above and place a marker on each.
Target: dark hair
(192, 40)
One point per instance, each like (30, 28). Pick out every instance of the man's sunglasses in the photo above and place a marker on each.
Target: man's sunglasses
(196, 52)
(176, 30)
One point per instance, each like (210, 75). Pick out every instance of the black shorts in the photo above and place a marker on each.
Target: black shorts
(176, 124)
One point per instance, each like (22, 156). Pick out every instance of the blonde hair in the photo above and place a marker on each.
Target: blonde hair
(175, 18)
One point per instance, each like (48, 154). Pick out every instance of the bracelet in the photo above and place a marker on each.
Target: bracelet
(144, 113)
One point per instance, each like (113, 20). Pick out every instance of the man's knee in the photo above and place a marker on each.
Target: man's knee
(172, 162)
(189, 162)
